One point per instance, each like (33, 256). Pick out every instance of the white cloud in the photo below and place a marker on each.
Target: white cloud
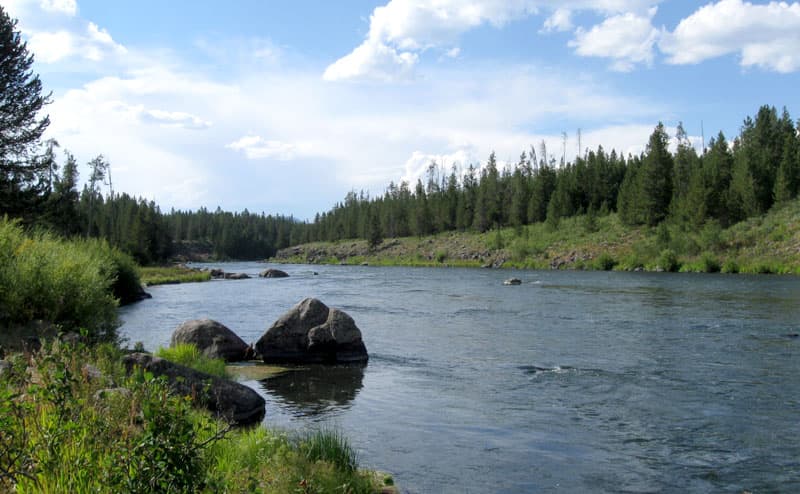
(417, 164)
(401, 29)
(374, 61)
(256, 147)
(175, 119)
(767, 36)
(94, 44)
(628, 39)
(68, 7)
(560, 20)
(52, 47)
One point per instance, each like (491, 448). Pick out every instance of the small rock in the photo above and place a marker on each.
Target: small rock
(512, 281)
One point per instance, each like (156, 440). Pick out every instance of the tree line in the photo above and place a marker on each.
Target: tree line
(724, 182)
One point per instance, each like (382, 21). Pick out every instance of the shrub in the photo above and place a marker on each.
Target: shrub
(441, 256)
(188, 355)
(605, 262)
(709, 263)
(730, 266)
(668, 261)
(60, 282)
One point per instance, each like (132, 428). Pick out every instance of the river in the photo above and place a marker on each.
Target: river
(570, 382)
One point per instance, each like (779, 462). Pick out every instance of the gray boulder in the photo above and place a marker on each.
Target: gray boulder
(235, 402)
(273, 273)
(310, 332)
(213, 339)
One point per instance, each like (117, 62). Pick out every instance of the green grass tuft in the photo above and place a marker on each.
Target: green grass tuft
(188, 355)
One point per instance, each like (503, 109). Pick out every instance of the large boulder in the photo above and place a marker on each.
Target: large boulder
(213, 339)
(310, 332)
(230, 400)
(274, 273)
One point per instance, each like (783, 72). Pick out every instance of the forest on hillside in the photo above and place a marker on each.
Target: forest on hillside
(725, 182)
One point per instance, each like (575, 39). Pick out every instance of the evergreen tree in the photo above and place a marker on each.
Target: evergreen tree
(374, 230)
(23, 177)
(656, 177)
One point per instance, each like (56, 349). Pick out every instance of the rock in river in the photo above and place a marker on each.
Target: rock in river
(513, 281)
(234, 402)
(213, 339)
(273, 273)
(310, 332)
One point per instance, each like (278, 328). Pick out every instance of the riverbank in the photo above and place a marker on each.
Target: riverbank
(767, 244)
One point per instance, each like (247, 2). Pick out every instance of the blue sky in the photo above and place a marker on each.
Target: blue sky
(285, 106)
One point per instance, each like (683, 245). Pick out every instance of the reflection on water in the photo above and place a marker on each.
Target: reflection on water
(316, 390)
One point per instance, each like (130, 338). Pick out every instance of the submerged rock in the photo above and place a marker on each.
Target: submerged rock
(310, 332)
(513, 281)
(232, 401)
(273, 273)
(237, 276)
(212, 338)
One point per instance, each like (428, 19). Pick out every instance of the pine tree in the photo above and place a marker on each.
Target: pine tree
(23, 177)
(656, 177)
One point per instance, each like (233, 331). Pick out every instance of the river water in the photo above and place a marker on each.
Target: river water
(570, 382)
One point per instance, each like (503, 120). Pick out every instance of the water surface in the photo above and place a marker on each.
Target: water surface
(571, 382)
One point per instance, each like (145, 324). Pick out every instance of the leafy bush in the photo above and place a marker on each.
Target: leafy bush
(605, 262)
(730, 266)
(68, 284)
(188, 355)
(668, 261)
(709, 263)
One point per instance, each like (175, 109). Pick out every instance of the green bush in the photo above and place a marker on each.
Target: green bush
(605, 262)
(710, 264)
(68, 284)
(730, 266)
(188, 355)
(668, 261)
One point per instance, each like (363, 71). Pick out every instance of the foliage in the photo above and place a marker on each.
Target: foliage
(68, 284)
(23, 174)
(63, 429)
(188, 355)
(166, 275)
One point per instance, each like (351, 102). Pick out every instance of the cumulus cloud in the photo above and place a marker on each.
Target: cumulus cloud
(256, 147)
(767, 36)
(417, 164)
(401, 29)
(94, 44)
(372, 60)
(628, 39)
(68, 7)
(560, 20)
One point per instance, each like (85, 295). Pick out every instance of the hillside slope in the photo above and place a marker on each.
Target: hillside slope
(767, 244)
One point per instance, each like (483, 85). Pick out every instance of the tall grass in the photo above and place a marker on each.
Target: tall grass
(64, 283)
(188, 355)
(63, 429)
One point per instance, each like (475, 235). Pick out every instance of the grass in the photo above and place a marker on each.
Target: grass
(188, 355)
(767, 244)
(168, 275)
(64, 429)
(71, 285)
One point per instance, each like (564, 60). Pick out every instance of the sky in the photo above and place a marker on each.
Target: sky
(284, 106)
